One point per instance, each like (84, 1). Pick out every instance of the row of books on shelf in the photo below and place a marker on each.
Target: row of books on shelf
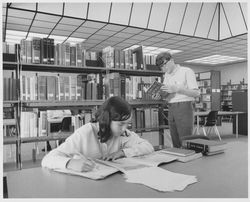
(203, 75)
(234, 87)
(227, 93)
(145, 118)
(226, 102)
(205, 90)
(10, 88)
(35, 123)
(132, 59)
(204, 83)
(203, 105)
(44, 51)
(203, 98)
(128, 87)
(38, 86)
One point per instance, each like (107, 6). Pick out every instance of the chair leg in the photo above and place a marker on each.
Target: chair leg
(204, 131)
(217, 132)
(209, 130)
(195, 129)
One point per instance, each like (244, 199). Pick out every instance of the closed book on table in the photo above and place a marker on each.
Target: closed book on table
(205, 146)
(178, 151)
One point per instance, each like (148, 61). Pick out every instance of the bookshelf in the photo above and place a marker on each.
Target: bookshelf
(227, 91)
(33, 104)
(209, 83)
(240, 103)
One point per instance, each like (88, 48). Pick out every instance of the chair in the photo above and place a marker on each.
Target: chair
(227, 118)
(65, 127)
(210, 123)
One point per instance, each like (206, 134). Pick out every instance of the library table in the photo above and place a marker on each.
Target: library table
(220, 113)
(220, 176)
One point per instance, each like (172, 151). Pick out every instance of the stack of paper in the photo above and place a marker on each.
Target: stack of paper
(159, 179)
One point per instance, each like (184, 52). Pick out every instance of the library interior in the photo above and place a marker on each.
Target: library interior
(62, 60)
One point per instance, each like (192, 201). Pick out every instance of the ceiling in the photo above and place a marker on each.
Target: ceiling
(196, 29)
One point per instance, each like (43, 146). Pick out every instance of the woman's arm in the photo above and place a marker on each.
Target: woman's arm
(133, 145)
(60, 157)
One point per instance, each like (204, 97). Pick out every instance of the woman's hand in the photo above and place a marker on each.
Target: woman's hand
(113, 156)
(81, 165)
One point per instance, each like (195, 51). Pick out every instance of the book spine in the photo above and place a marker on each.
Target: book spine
(72, 56)
(67, 54)
(52, 51)
(197, 147)
(36, 47)
(29, 51)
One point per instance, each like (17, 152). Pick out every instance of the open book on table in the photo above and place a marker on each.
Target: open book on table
(151, 160)
(144, 170)
(99, 172)
(106, 168)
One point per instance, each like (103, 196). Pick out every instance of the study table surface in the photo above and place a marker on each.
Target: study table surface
(220, 176)
(220, 113)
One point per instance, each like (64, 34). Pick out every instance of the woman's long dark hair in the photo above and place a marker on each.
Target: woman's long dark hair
(113, 109)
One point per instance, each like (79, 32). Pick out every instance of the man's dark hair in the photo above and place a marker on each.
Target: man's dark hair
(162, 57)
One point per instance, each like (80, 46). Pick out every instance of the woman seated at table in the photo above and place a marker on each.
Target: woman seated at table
(107, 138)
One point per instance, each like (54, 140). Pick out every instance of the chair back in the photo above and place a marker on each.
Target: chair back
(211, 118)
(66, 123)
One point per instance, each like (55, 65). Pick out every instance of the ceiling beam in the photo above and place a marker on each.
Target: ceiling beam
(32, 21)
(226, 19)
(243, 16)
(198, 19)
(57, 21)
(183, 18)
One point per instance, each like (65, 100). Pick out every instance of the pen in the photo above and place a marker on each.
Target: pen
(86, 158)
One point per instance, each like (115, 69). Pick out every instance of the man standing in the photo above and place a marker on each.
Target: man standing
(181, 86)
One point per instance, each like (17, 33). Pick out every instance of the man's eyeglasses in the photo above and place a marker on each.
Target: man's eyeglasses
(164, 63)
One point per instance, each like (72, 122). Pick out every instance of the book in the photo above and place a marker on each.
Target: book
(215, 152)
(36, 47)
(183, 158)
(204, 146)
(150, 160)
(99, 172)
(51, 51)
(154, 88)
(178, 151)
(44, 51)
(107, 168)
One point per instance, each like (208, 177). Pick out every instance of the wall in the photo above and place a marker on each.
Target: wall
(233, 72)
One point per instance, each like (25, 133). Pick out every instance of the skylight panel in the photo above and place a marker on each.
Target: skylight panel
(215, 59)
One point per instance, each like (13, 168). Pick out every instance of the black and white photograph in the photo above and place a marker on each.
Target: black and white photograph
(124, 100)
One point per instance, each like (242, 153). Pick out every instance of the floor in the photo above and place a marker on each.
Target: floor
(9, 152)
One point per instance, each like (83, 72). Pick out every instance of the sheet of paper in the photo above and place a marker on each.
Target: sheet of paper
(160, 179)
